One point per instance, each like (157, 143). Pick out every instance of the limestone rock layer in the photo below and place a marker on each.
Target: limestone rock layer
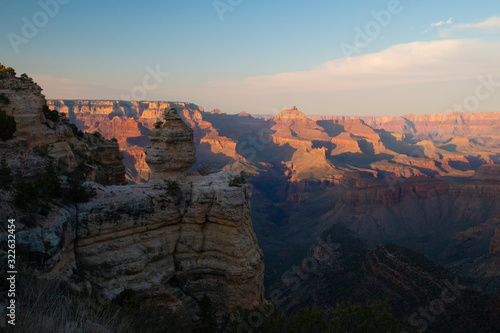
(170, 246)
(172, 150)
(179, 245)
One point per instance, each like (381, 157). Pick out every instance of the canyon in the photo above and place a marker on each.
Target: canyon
(183, 228)
(428, 182)
(307, 148)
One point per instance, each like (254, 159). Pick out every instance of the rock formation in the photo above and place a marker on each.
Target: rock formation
(25, 104)
(174, 246)
(488, 172)
(171, 243)
(53, 139)
(405, 146)
(306, 166)
(172, 151)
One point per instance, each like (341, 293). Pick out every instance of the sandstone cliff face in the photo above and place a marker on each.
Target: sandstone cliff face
(177, 247)
(110, 168)
(130, 123)
(172, 247)
(26, 102)
(170, 244)
(172, 149)
(489, 172)
(53, 139)
(397, 146)
(482, 125)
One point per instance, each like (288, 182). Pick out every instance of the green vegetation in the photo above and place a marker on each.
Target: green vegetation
(7, 70)
(114, 140)
(78, 192)
(158, 124)
(346, 317)
(25, 192)
(5, 174)
(25, 77)
(8, 126)
(4, 99)
(76, 132)
(51, 183)
(52, 115)
(357, 318)
(238, 180)
(173, 188)
(38, 195)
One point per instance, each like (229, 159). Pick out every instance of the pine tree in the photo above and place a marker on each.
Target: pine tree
(7, 126)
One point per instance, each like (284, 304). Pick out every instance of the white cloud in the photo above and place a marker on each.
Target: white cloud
(491, 25)
(438, 24)
(412, 63)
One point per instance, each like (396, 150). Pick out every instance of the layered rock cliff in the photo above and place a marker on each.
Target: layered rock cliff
(311, 148)
(172, 149)
(170, 242)
(400, 179)
(53, 138)
(173, 246)
(24, 101)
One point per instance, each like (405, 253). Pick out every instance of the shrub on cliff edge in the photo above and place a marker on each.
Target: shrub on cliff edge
(49, 114)
(238, 180)
(173, 188)
(8, 126)
(4, 99)
(7, 70)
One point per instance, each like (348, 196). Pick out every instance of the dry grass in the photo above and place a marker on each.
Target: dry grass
(46, 306)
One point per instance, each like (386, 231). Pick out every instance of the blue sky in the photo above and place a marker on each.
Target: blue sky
(261, 56)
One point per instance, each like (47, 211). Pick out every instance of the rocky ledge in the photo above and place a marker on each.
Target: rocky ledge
(173, 244)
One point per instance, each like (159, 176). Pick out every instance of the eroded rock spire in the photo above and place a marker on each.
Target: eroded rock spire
(172, 151)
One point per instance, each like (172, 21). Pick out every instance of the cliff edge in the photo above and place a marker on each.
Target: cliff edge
(171, 242)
